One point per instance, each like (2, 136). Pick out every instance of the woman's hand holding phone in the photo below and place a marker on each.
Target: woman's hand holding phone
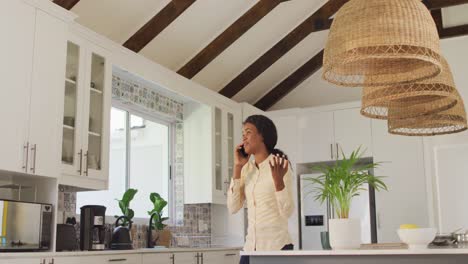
(240, 159)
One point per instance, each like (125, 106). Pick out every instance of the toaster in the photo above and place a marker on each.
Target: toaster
(66, 238)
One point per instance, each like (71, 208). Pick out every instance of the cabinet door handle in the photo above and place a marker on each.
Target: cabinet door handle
(198, 259)
(337, 151)
(117, 260)
(172, 258)
(202, 258)
(26, 156)
(331, 151)
(34, 149)
(85, 157)
(80, 154)
(226, 186)
(51, 261)
(43, 261)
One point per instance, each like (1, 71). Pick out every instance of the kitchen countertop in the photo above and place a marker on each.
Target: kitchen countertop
(359, 252)
(112, 252)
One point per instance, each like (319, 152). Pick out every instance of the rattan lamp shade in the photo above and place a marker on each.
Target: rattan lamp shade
(384, 41)
(445, 122)
(411, 99)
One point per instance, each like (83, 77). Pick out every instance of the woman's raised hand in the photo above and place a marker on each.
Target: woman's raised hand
(279, 166)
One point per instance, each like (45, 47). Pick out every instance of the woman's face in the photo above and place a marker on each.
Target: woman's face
(252, 140)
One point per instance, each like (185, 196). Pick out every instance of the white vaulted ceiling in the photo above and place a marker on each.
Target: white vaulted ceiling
(204, 20)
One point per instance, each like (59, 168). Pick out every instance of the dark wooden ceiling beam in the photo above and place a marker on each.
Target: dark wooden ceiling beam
(452, 32)
(67, 4)
(438, 4)
(437, 16)
(157, 24)
(317, 21)
(291, 82)
(229, 36)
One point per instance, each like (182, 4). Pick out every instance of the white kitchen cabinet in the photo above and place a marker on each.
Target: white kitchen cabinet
(316, 137)
(23, 261)
(324, 135)
(402, 164)
(210, 136)
(352, 130)
(187, 258)
(86, 114)
(16, 67)
(46, 100)
(216, 257)
(32, 62)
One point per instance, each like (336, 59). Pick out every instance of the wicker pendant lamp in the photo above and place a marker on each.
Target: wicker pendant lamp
(445, 122)
(411, 99)
(384, 41)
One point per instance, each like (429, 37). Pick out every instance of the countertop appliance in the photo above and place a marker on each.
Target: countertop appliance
(92, 227)
(66, 238)
(25, 226)
(121, 239)
(314, 216)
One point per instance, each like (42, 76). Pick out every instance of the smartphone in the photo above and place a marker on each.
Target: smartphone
(242, 152)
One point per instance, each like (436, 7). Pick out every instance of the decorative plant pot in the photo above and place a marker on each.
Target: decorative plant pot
(162, 237)
(345, 233)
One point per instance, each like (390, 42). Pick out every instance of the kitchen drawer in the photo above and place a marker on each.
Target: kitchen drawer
(158, 258)
(105, 259)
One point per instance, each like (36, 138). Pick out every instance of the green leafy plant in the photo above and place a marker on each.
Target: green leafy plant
(159, 203)
(344, 180)
(124, 205)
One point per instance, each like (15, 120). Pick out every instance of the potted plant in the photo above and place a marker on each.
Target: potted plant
(124, 205)
(161, 235)
(339, 184)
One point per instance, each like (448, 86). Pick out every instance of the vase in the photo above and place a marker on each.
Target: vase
(345, 233)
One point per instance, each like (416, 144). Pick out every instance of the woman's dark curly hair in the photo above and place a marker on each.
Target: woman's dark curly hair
(267, 129)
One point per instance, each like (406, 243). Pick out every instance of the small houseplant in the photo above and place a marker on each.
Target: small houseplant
(124, 205)
(339, 184)
(162, 235)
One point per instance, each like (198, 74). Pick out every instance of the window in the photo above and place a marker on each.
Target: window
(140, 158)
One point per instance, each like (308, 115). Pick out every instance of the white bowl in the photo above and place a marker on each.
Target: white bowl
(418, 237)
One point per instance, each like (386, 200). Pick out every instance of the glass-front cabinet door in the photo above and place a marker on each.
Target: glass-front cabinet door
(218, 150)
(86, 120)
(230, 150)
(96, 121)
(71, 149)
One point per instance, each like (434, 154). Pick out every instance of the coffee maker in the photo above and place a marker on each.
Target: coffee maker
(92, 227)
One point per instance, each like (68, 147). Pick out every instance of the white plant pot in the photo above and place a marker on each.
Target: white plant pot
(345, 233)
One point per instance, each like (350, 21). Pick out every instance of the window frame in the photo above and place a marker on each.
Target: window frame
(129, 111)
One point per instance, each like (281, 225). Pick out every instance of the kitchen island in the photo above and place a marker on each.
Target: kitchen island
(400, 256)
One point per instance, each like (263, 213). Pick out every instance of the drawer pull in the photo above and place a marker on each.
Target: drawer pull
(117, 260)
(230, 254)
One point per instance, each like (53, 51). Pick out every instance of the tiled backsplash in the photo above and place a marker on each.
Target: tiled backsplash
(146, 98)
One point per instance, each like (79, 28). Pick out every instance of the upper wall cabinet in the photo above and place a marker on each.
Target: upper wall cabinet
(324, 135)
(210, 136)
(352, 130)
(86, 114)
(32, 65)
(316, 137)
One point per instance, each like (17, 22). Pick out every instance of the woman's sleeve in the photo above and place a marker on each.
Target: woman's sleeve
(284, 197)
(236, 195)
